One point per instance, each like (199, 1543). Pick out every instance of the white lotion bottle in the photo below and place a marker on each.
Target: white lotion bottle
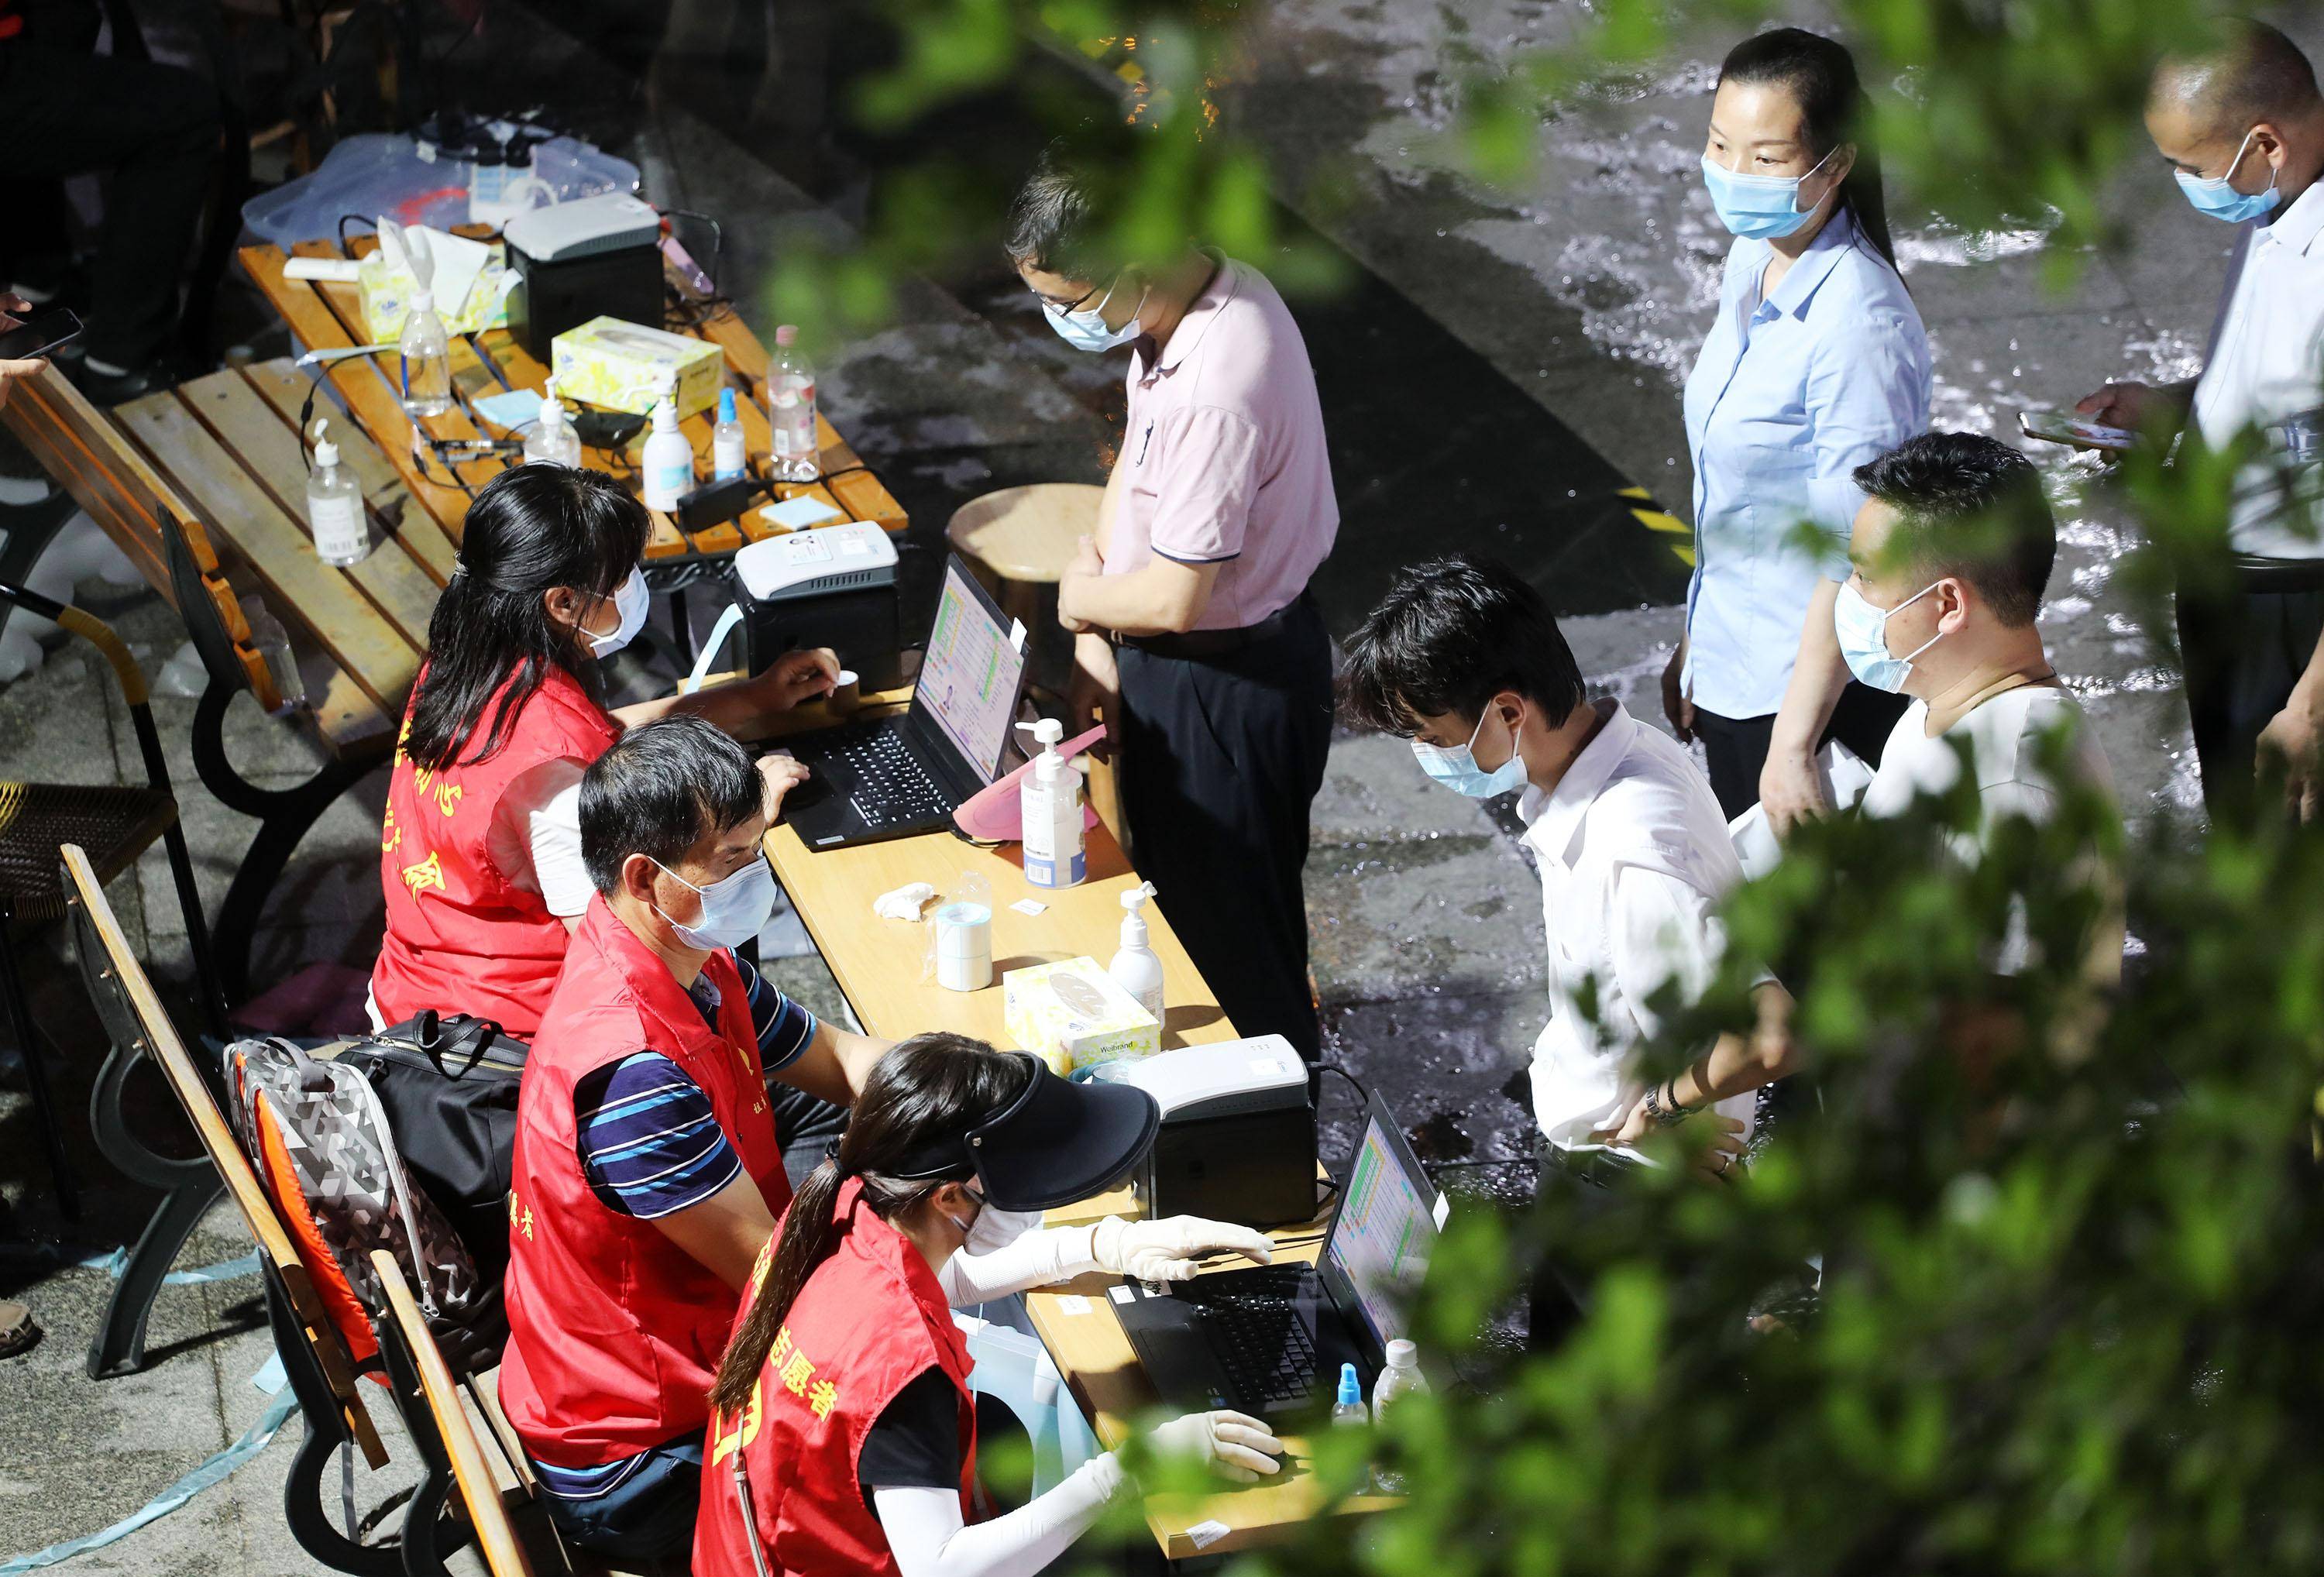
(335, 510)
(1136, 969)
(668, 459)
(1051, 806)
(552, 440)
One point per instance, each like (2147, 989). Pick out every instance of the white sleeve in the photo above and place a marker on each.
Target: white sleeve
(1665, 929)
(928, 1538)
(1044, 1256)
(535, 836)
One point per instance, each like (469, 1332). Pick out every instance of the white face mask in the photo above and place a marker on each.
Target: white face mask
(734, 907)
(993, 1228)
(1084, 327)
(631, 602)
(1863, 631)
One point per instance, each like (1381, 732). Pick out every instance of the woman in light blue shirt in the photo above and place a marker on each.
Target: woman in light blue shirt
(1816, 364)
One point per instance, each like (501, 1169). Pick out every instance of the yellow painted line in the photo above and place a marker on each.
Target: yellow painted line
(1655, 520)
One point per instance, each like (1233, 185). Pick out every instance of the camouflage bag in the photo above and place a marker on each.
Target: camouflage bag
(322, 1147)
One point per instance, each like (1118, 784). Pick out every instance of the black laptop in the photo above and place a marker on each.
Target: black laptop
(1269, 1341)
(892, 776)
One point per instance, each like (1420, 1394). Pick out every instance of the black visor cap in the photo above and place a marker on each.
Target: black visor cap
(1059, 1142)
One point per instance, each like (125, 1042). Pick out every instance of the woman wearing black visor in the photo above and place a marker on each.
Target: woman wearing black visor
(842, 1437)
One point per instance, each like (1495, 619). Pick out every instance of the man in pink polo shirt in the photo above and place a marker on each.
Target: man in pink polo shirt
(1196, 636)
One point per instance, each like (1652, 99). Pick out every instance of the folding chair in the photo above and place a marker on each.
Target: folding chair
(115, 824)
(322, 1377)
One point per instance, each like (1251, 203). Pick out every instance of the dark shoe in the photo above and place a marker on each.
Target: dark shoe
(109, 389)
(18, 1334)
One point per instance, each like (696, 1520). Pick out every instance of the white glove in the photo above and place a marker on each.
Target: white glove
(1238, 1445)
(1168, 1250)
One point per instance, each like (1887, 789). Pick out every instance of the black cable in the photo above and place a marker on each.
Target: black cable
(1363, 1096)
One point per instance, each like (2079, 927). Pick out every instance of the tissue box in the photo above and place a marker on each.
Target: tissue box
(1073, 1016)
(387, 293)
(625, 366)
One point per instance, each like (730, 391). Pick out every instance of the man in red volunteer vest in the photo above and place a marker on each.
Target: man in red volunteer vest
(648, 1171)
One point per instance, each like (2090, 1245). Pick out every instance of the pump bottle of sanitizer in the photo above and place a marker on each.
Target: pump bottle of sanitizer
(1051, 805)
(335, 507)
(1136, 969)
(669, 458)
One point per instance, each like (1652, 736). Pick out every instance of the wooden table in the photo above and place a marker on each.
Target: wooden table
(877, 963)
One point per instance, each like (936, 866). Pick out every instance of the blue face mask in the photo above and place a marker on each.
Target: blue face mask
(1759, 207)
(1863, 631)
(1084, 329)
(1458, 770)
(2216, 198)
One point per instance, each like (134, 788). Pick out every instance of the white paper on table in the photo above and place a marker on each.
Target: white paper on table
(800, 512)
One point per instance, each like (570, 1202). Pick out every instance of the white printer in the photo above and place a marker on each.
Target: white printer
(830, 585)
(1237, 1137)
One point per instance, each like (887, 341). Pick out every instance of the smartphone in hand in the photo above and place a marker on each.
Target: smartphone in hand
(38, 334)
(2054, 426)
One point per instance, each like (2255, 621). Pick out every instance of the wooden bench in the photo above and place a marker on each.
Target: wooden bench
(322, 1375)
(161, 484)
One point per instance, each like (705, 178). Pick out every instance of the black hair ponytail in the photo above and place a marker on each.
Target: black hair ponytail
(1820, 75)
(533, 528)
(925, 1088)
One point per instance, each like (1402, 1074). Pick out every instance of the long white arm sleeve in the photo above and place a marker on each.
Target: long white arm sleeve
(927, 1535)
(1044, 1256)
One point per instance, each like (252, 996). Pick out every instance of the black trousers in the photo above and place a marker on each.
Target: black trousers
(66, 111)
(2242, 653)
(1221, 760)
(1737, 747)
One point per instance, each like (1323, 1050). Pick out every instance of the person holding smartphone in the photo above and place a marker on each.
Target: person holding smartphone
(12, 308)
(1816, 363)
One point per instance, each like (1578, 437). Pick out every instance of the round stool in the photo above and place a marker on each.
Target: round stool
(1024, 537)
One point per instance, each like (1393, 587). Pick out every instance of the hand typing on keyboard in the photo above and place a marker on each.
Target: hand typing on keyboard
(1170, 1250)
(781, 774)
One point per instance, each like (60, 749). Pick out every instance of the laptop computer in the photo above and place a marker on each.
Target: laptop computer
(893, 776)
(1269, 1341)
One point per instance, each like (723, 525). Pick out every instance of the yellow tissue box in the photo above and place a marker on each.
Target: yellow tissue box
(625, 366)
(387, 295)
(1073, 1016)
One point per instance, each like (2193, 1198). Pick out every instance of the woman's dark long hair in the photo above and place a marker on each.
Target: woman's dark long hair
(928, 1087)
(533, 528)
(1820, 75)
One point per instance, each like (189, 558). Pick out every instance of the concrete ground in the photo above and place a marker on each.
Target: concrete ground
(1502, 365)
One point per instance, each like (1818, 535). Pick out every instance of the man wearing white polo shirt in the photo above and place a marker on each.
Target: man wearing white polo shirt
(2242, 128)
(1196, 636)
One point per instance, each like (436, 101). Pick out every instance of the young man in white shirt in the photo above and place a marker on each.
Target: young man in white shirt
(1464, 659)
(1952, 551)
(2242, 127)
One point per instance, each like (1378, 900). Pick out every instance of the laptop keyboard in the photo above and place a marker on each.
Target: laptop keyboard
(1253, 1325)
(891, 787)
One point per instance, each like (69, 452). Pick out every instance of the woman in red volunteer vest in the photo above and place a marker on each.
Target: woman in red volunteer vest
(480, 852)
(648, 1172)
(843, 1439)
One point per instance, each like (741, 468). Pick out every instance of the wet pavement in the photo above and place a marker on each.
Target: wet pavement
(1499, 366)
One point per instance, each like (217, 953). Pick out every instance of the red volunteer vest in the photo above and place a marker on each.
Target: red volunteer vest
(871, 1320)
(614, 1330)
(461, 938)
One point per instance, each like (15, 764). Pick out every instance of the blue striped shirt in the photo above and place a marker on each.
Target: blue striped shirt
(651, 1145)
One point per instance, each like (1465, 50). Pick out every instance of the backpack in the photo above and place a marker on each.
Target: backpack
(324, 1151)
(448, 1086)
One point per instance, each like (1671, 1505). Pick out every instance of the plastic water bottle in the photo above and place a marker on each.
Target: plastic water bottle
(425, 352)
(335, 510)
(273, 644)
(1399, 1377)
(1348, 1409)
(728, 456)
(790, 409)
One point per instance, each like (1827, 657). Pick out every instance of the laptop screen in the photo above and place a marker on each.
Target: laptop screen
(1384, 1232)
(969, 679)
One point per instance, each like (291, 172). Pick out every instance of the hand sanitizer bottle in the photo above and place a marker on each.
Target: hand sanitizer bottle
(728, 456)
(1348, 1409)
(335, 510)
(552, 440)
(669, 458)
(1052, 810)
(1135, 969)
(1399, 1377)
(425, 354)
